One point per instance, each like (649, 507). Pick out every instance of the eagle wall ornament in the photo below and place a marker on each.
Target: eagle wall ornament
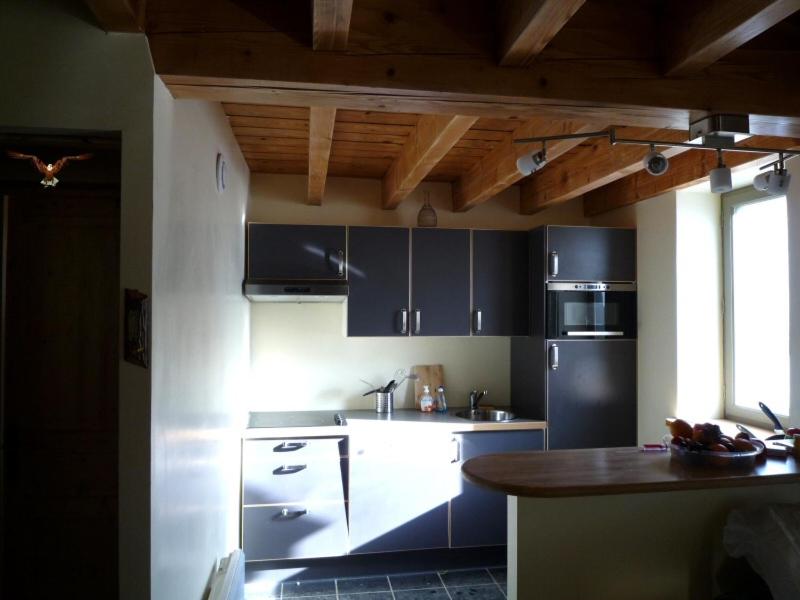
(48, 170)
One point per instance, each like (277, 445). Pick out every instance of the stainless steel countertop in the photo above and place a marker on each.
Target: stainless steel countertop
(321, 423)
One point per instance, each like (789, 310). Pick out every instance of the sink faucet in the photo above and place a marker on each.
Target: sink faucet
(475, 398)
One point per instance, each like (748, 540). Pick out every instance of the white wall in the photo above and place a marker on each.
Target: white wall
(793, 209)
(59, 71)
(300, 357)
(200, 344)
(699, 306)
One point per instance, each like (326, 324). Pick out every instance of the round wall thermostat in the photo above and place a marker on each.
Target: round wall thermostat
(222, 168)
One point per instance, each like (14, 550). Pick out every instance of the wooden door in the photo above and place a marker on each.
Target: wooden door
(499, 283)
(377, 304)
(60, 395)
(478, 515)
(591, 254)
(591, 396)
(296, 252)
(440, 282)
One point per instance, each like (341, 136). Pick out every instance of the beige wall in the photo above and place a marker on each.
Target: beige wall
(60, 71)
(300, 357)
(200, 348)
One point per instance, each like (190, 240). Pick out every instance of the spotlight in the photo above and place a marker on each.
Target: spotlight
(530, 163)
(654, 162)
(761, 182)
(720, 177)
(775, 182)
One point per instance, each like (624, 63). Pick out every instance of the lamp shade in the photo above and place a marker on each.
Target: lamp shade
(720, 179)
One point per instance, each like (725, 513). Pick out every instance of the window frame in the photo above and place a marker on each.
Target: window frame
(730, 202)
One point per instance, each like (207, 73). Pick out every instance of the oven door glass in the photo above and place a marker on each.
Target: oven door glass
(591, 314)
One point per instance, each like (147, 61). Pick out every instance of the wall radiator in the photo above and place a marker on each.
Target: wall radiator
(228, 581)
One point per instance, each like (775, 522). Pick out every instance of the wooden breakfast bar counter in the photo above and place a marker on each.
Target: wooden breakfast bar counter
(619, 523)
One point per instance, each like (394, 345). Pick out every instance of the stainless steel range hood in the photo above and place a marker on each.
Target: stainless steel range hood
(271, 290)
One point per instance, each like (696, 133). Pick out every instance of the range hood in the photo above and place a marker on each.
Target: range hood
(318, 290)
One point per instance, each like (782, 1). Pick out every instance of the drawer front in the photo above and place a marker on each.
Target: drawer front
(293, 450)
(294, 531)
(271, 482)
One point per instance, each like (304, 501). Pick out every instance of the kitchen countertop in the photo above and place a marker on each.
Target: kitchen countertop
(606, 471)
(321, 423)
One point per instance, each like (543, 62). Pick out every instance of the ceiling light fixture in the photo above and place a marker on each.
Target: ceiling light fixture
(657, 164)
(720, 177)
(776, 182)
(654, 162)
(530, 162)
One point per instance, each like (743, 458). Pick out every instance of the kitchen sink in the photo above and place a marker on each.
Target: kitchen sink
(496, 416)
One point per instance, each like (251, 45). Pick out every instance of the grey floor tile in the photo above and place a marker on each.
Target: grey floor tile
(476, 592)
(429, 594)
(499, 574)
(363, 584)
(466, 577)
(413, 582)
(309, 589)
(367, 596)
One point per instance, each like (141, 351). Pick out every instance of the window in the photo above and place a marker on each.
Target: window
(756, 303)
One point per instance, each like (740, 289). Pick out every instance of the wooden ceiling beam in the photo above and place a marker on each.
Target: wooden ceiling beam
(719, 27)
(320, 136)
(591, 167)
(331, 20)
(527, 26)
(687, 169)
(498, 169)
(122, 16)
(430, 140)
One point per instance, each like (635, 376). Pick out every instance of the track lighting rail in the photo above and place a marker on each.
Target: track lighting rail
(613, 139)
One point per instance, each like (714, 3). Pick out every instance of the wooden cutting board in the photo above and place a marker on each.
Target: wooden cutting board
(431, 375)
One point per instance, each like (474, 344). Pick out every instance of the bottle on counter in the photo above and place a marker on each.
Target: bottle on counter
(426, 400)
(441, 401)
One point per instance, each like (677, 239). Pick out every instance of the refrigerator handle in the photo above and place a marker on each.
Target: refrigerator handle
(553, 266)
(554, 357)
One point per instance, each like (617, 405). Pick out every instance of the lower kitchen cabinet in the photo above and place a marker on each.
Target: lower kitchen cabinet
(478, 515)
(400, 486)
(293, 498)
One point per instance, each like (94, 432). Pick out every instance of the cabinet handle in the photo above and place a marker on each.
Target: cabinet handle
(456, 451)
(289, 446)
(287, 515)
(288, 469)
(340, 256)
(404, 321)
(476, 320)
(553, 268)
(554, 357)
(417, 321)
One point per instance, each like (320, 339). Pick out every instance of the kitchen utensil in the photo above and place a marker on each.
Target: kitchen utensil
(430, 375)
(384, 402)
(771, 416)
(389, 387)
(372, 391)
(744, 429)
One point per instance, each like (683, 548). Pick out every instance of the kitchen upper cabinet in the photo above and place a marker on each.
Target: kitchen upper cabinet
(378, 260)
(478, 515)
(591, 393)
(440, 282)
(499, 282)
(591, 254)
(289, 252)
(401, 482)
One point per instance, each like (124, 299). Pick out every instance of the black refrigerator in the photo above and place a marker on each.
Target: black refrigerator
(577, 368)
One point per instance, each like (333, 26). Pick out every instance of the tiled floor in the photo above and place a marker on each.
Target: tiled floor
(468, 584)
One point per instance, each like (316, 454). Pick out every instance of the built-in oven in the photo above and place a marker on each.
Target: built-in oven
(591, 310)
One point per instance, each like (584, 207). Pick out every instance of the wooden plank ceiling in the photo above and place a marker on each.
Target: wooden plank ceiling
(437, 90)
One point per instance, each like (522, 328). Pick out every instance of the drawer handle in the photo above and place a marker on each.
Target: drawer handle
(287, 515)
(288, 469)
(289, 446)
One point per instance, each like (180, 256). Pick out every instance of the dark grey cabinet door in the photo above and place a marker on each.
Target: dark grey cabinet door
(290, 252)
(500, 283)
(591, 396)
(478, 515)
(440, 282)
(591, 254)
(379, 278)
